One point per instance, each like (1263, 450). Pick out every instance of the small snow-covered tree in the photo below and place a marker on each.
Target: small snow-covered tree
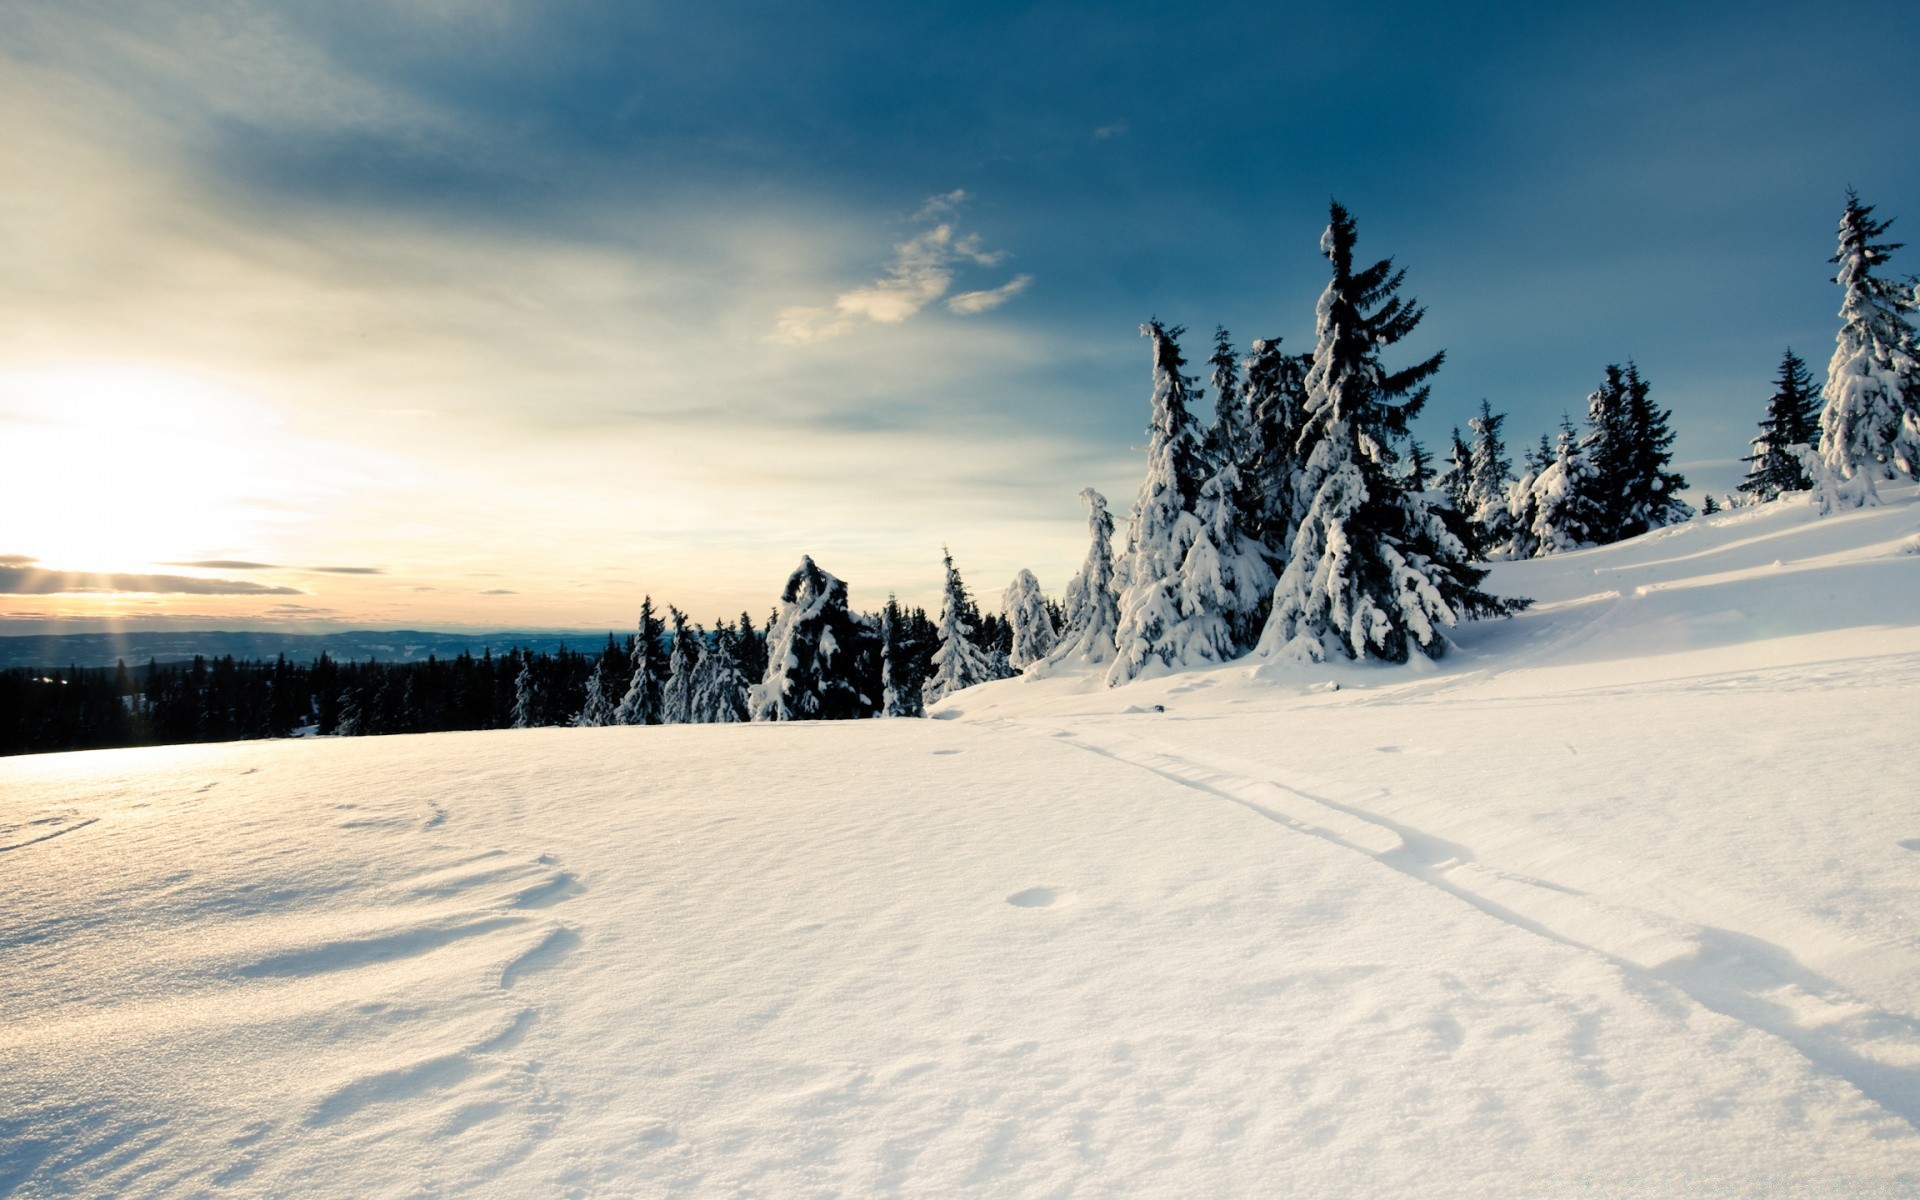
(676, 699)
(1457, 480)
(1628, 445)
(959, 662)
(1566, 512)
(1787, 434)
(643, 701)
(899, 684)
(1870, 424)
(1092, 611)
(1488, 471)
(1373, 571)
(1025, 608)
(526, 695)
(719, 684)
(812, 654)
(599, 707)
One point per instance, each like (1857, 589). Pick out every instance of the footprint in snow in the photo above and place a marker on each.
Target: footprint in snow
(940, 752)
(1910, 844)
(1034, 897)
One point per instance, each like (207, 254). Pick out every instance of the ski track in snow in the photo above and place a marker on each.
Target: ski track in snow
(1738, 975)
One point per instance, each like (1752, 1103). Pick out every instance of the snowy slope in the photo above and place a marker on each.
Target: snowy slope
(1623, 899)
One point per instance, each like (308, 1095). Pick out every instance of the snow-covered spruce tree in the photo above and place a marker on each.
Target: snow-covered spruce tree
(1373, 572)
(1652, 492)
(1092, 610)
(1181, 592)
(899, 683)
(1225, 576)
(1275, 401)
(1457, 479)
(526, 695)
(1566, 512)
(643, 702)
(812, 654)
(1489, 471)
(1787, 434)
(1419, 471)
(598, 708)
(1628, 445)
(676, 700)
(959, 662)
(1870, 424)
(719, 684)
(1025, 607)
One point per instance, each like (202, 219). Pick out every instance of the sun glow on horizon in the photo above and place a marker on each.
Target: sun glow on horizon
(117, 467)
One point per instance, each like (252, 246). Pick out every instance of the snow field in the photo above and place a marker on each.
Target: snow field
(1619, 901)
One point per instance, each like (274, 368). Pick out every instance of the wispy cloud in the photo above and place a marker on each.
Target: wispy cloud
(968, 303)
(922, 270)
(1109, 131)
(241, 564)
(40, 581)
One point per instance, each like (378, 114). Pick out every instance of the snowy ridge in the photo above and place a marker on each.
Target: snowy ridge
(1618, 898)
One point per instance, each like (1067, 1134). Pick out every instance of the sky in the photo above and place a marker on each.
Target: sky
(488, 314)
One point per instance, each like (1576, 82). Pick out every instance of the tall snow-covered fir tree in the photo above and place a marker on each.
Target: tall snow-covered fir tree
(1180, 592)
(1870, 423)
(1489, 471)
(1225, 576)
(959, 662)
(1092, 610)
(719, 683)
(676, 699)
(1373, 572)
(813, 672)
(643, 702)
(1787, 434)
(1025, 608)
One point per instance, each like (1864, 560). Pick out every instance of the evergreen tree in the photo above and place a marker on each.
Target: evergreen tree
(599, 708)
(1180, 594)
(1628, 445)
(676, 699)
(959, 662)
(1457, 479)
(1870, 424)
(1275, 399)
(899, 684)
(526, 698)
(1092, 609)
(1373, 571)
(1566, 512)
(1419, 471)
(1652, 492)
(719, 684)
(644, 701)
(812, 654)
(1031, 626)
(1787, 434)
(1489, 471)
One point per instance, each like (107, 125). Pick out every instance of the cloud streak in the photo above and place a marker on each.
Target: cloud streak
(922, 270)
(41, 581)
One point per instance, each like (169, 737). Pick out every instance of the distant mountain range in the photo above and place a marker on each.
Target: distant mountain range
(385, 645)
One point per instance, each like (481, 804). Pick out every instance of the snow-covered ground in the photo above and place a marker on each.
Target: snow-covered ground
(1622, 900)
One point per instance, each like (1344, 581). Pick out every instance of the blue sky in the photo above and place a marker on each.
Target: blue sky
(527, 308)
